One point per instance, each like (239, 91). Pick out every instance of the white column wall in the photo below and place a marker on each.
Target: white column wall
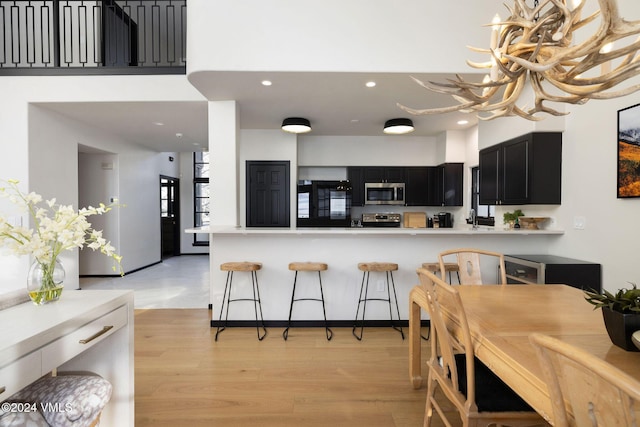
(223, 152)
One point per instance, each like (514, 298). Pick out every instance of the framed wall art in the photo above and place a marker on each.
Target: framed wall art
(629, 152)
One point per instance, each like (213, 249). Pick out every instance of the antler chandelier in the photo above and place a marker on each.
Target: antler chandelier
(535, 44)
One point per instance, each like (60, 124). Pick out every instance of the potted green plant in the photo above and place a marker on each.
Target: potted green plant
(621, 313)
(510, 218)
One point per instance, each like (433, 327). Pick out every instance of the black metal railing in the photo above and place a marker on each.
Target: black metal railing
(93, 36)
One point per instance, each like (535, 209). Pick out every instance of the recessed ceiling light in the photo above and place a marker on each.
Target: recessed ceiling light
(463, 122)
(178, 135)
(266, 83)
(355, 120)
(158, 123)
(370, 84)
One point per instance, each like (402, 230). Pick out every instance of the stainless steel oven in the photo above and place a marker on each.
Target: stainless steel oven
(384, 193)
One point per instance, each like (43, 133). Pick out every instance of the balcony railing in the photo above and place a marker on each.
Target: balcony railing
(92, 36)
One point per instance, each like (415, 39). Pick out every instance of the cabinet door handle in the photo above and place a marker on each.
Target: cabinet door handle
(96, 335)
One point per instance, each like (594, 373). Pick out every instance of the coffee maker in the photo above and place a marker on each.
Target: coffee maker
(445, 220)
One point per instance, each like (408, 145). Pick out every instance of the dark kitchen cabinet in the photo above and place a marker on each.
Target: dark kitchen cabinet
(355, 175)
(523, 170)
(446, 185)
(384, 174)
(417, 185)
(539, 269)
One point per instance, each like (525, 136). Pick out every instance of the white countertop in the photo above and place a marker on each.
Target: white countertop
(391, 231)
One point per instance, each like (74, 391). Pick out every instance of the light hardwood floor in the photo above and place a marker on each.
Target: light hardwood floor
(184, 378)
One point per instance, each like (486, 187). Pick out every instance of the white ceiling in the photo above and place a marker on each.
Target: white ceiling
(335, 103)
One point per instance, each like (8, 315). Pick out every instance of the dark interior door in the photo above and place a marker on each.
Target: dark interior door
(170, 216)
(268, 194)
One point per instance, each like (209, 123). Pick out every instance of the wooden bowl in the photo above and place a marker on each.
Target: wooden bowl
(532, 222)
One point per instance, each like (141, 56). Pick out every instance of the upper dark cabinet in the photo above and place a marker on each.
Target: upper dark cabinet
(384, 174)
(355, 175)
(446, 185)
(523, 170)
(417, 185)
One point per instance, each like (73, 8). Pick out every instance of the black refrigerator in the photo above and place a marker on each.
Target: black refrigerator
(324, 204)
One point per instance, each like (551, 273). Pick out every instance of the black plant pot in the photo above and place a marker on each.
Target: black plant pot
(620, 327)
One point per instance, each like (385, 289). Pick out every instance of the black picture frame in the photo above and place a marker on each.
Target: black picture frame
(628, 176)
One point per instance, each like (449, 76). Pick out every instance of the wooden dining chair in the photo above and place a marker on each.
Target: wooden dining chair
(480, 397)
(469, 265)
(584, 389)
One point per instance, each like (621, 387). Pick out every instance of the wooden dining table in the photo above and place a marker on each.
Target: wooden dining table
(501, 318)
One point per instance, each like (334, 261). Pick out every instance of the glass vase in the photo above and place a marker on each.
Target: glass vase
(44, 282)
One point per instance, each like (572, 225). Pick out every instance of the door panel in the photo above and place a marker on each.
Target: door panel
(268, 194)
(170, 216)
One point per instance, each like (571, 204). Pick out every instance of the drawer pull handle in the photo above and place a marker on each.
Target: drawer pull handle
(2, 389)
(96, 335)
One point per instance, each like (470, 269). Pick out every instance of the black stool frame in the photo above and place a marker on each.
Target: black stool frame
(365, 288)
(257, 305)
(328, 331)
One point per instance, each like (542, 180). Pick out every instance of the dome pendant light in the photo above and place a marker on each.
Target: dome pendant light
(296, 125)
(398, 126)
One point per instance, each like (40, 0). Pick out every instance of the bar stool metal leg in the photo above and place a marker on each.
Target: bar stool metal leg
(364, 306)
(395, 296)
(225, 298)
(257, 304)
(327, 330)
(285, 333)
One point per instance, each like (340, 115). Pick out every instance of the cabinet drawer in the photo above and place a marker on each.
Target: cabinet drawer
(69, 346)
(20, 373)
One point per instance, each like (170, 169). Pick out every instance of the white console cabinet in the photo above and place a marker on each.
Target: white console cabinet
(85, 331)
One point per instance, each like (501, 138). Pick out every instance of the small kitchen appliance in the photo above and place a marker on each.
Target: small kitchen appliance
(384, 193)
(381, 219)
(445, 220)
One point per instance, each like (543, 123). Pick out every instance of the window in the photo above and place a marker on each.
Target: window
(201, 195)
(484, 213)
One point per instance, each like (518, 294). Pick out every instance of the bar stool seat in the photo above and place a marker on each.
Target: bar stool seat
(252, 268)
(312, 267)
(449, 267)
(377, 267)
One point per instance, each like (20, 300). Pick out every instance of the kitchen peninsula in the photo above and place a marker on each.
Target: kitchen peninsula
(342, 249)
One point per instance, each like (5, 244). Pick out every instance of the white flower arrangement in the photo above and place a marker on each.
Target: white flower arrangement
(56, 228)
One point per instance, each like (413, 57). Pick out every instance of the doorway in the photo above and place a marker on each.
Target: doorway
(170, 215)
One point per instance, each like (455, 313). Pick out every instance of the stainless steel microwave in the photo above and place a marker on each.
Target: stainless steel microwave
(384, 193)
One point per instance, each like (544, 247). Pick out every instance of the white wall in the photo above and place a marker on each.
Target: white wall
(589, 176)
(402, 150)
(330, 35)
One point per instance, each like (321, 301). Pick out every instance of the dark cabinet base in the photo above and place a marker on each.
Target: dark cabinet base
(553, 269)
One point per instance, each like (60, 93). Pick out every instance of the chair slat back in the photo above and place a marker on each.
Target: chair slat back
(584, 389)
(469, 264)
(447, 314)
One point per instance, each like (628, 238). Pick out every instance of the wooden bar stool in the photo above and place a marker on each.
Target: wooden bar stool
(307, 266)
(230, 268)
(382, 267)
(449, 267)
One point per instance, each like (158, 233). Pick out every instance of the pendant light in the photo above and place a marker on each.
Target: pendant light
(296, 125)
(398, 126)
